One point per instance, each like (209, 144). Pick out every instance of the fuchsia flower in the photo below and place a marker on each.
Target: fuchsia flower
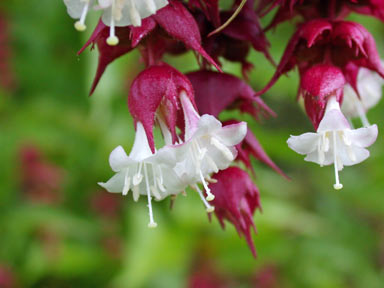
(236, 199)
(162, 94)
(334, 141)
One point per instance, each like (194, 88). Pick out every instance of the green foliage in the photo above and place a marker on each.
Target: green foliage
(313, 235)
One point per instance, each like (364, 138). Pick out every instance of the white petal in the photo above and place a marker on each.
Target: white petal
(363, 137)
(333, 120)
(360, 155)
(231, 135)
(115, 184)
(105, 3)
(303, 144)
(141, 9)
(75, 7)
(118, 159)
(140, 149)
(314, 157)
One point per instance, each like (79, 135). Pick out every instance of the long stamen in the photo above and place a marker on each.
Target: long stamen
(127, 183)
(80, 25)
(208, 207)
(112, 40)
(138, 177)
(152, 223)
(210, 196)
(223, 149)
(337, 185)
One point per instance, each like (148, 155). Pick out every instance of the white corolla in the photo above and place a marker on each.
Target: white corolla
(335, 142)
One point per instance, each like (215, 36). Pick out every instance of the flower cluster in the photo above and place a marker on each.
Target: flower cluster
(340, 78)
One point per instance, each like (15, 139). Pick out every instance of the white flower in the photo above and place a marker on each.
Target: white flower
(369, 86)
(335, 142)
(208, 146)
(116, 13)
(143, 173)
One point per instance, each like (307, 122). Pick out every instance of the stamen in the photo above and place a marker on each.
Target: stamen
(223, 149)
(112, 40)
(212, 164)
(138, 177)
(345, 138)
(337, 185)
(210, 196)
(208, 207)
(127, 183)
(152, 223)
(135, 193)
(80, 25)
(134, 14)
(320, 152)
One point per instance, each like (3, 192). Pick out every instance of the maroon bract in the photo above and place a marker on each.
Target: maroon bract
(330, 9)
(317, 84)
(41, 181)
(215, 92)
(337, 43)
(155, 93)
(236, 200)
(210, 9)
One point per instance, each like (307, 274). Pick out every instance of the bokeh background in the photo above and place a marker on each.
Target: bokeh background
(59, 229)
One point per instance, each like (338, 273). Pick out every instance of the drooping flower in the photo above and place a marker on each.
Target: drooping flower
(236, 200)
(334, 141)
(369, 86)
(208, 146)
(115, 13)
(142, 172)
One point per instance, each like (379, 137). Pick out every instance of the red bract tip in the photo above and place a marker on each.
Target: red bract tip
(155, 93)
(236, 200)
(107, 53)
(215, 92)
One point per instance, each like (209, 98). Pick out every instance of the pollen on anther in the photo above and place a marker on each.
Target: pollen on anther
(112, 41)
(338, 186)
(79, 26)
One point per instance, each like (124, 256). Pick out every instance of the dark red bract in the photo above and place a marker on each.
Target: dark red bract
(155, 93)
(236, 200)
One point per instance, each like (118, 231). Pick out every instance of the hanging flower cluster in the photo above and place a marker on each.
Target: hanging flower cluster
(340, 72)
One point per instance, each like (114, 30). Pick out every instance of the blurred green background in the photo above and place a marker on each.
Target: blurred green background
(59, 229)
